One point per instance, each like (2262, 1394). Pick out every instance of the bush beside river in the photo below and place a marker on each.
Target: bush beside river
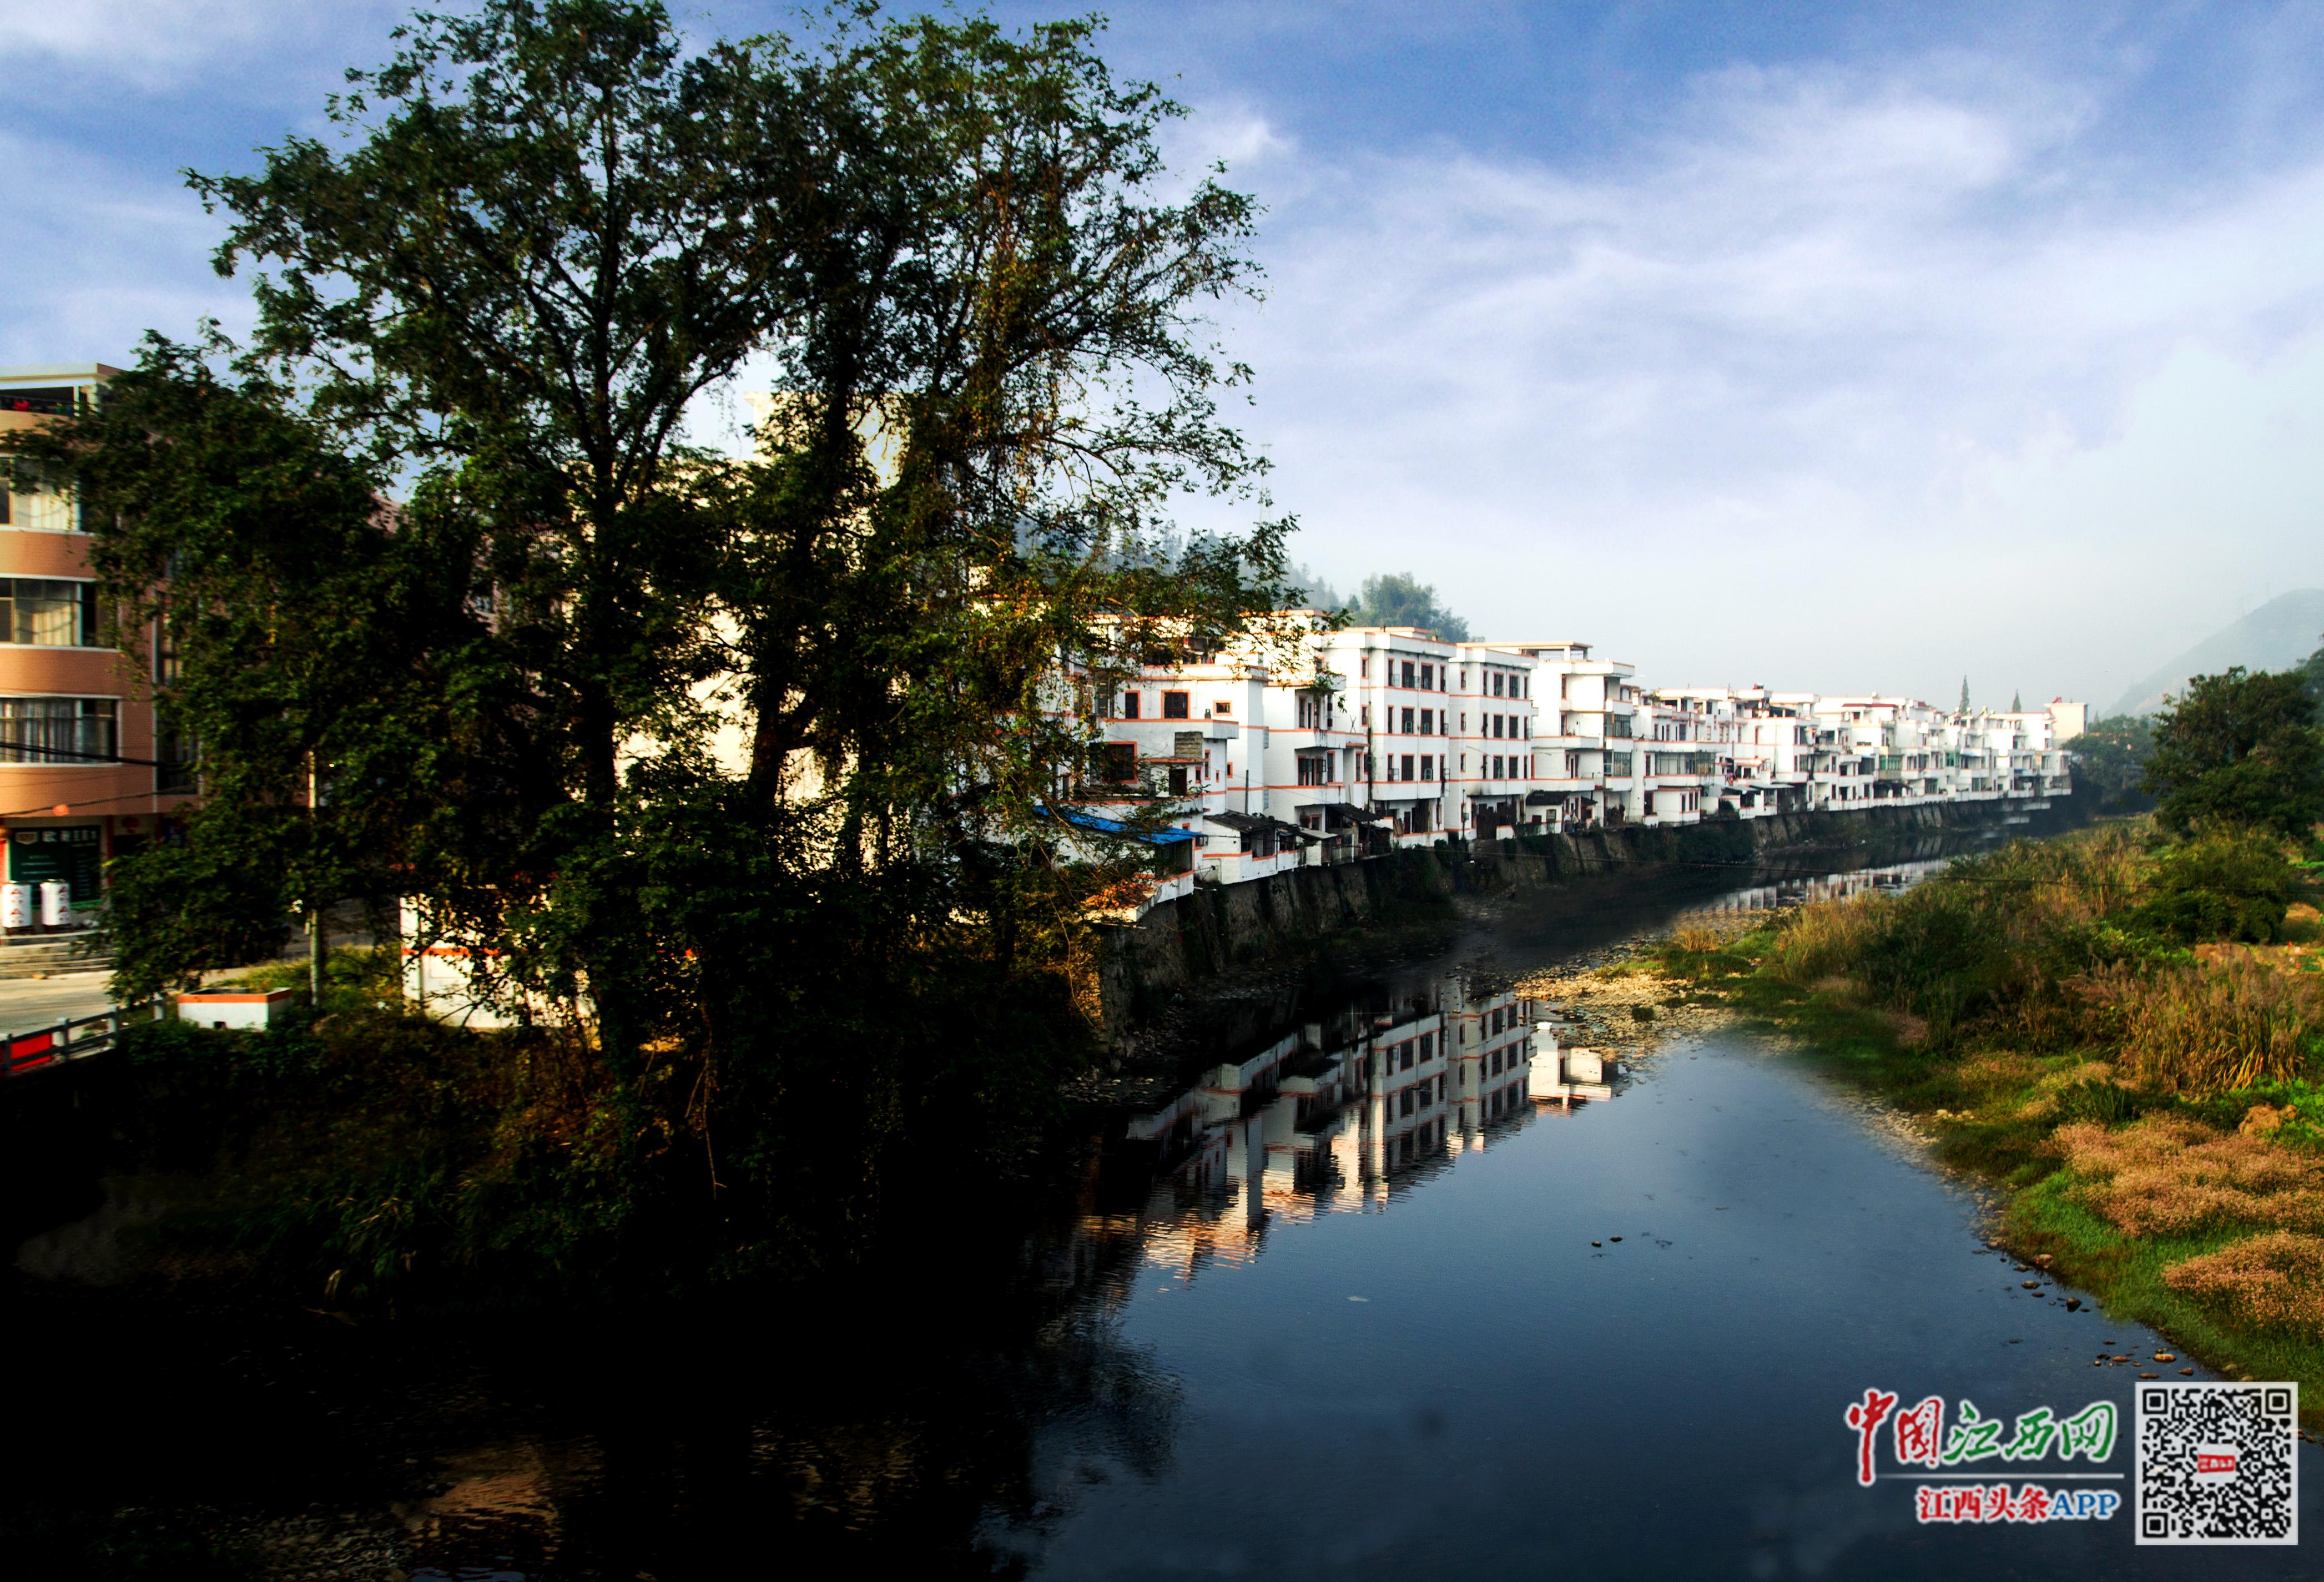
(2124, 1029)
(370, 1156)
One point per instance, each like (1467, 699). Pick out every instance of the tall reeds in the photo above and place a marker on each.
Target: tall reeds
(1823, 939)
(2213, 1026)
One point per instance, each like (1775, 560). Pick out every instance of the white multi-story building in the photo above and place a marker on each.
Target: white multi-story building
(1399, 691)
(1585, 728)
(1494, 781)
(1373, 736)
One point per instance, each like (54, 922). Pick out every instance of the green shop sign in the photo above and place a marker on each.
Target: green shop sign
(73, 854)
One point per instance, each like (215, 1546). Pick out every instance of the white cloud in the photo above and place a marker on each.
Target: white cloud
(1759, 396)
(118, 253)
(187, 42)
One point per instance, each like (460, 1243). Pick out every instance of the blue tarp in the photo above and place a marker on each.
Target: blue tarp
(1115, 827)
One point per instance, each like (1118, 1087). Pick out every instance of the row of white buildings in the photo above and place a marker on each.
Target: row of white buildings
(1383, 735)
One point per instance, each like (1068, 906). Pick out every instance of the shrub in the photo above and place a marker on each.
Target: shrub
(2225, 885)
(2272, 1281)
(2107, 1103)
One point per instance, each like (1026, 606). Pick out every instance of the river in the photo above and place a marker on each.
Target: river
(1290, 1330)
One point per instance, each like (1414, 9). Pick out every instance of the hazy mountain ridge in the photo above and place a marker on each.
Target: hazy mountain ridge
(2276, 636)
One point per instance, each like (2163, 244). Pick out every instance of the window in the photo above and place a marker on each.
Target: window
(1497, 766)
(1404, 1055)
(58, 730)
(1118, 762)
(1408, 768)
(174, 756)
(1428, 722)
(1407, 722)
(1497, 683)
(1427, 767)
(1312, 706)
(1315, 769)
(1408, 672)
(44, 509)
(1404, 1106)
(1176, 705)
(1427, 1047)
(1223, 706)
(1129, 705)
(1428, 678)
(49, 612)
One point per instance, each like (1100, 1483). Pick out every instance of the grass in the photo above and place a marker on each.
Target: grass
(2122, 1033)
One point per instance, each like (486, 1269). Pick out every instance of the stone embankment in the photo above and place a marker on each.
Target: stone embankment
(1181, 946)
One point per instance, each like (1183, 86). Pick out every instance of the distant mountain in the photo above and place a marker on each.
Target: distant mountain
(2276, 636)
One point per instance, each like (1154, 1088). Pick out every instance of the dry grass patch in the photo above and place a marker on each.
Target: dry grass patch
(2272, 1281)
(2168, 1176)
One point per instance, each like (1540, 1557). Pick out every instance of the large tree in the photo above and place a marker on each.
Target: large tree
(733, 759)
(2240, 748)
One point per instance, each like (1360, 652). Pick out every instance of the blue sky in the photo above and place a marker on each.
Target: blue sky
(1825, 345)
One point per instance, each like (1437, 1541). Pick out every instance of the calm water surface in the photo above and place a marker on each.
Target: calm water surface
(1297, 1331)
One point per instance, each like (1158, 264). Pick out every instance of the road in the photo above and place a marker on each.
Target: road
(27, 1004)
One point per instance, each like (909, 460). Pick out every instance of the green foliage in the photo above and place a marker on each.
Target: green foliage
(2110, 759)
(2239, 748)
(2107, 1102)
(735, 776)
(2225, 884)
(1401, 599)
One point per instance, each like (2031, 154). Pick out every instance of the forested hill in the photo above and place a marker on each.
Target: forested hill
(2276, 636)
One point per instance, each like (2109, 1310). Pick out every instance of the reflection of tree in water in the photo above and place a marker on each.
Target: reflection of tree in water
(946, 1420)
(941, 1427)
(970, 1469)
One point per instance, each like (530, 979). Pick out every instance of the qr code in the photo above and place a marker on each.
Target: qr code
(2218, 1464)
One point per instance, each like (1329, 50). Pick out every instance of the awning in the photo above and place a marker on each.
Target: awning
(1542, 798)
(1241, 823)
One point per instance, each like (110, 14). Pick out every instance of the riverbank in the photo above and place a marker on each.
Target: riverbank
(1162, 982)
(2119, 1034)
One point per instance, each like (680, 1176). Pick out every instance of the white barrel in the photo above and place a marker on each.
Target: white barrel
(56, 903)
(16, 907)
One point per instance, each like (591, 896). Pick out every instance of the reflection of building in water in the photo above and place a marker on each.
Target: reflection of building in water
(1802, 892)
(1330, 1116)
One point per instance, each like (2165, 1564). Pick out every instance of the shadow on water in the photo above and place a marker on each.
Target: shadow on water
(1402, 1288)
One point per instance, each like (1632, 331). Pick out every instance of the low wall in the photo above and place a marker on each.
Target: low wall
(1179, 944)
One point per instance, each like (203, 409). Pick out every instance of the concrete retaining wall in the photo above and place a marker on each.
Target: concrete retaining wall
(1180, 943)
